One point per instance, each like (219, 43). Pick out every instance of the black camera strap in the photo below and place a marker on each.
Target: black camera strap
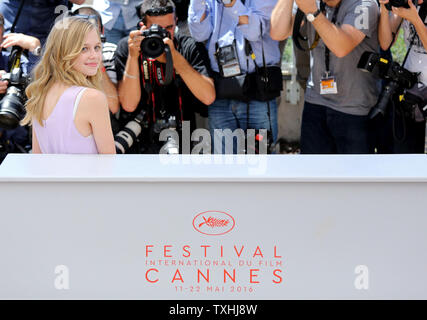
(423, 14)
(16, 50)
(296, 30)
(250, 53)
(18, 14)
(327, 51)
(296, 34)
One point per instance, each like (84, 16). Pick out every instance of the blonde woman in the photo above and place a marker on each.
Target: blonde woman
(68, 111)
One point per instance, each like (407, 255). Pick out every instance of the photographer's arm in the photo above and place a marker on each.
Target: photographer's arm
(129, 86)
(201, 86)
(282, 20)
(19, 39)
(388, 26)
(110, 91)
(340, 40)
(412, 16)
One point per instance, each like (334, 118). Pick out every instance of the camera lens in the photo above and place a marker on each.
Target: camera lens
(153, 47)
(11, 109)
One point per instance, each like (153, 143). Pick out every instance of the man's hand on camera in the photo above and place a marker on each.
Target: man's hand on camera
(134, 42)
(410, 14)
(3, 84)
(307, 6)
(174, 52)
(21, 40)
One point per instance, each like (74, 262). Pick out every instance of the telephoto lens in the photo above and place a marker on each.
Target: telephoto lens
(125, 139)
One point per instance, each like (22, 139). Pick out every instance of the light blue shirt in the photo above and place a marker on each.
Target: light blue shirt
(258, 11)
(110, 11)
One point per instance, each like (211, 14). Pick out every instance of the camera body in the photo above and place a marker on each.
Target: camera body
(153, 46)
(141, 129)
(398, 78)
(12, 105)
(399, 4)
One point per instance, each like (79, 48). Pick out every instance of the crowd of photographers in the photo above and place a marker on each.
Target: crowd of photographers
(226, 65)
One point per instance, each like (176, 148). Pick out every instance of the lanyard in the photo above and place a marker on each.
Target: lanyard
(327, 51)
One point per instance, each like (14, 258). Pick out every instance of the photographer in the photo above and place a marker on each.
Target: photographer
(36, 19)
(143, 79)
(339, 96)
(14, 140)
(246, 62)
(412, 140)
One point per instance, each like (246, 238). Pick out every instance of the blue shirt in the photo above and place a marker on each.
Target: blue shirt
(110, 11)
(36, 19)
(258, 11)
(3, 62)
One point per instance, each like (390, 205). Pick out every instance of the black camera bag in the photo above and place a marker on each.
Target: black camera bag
(268, 83)
(232, 88)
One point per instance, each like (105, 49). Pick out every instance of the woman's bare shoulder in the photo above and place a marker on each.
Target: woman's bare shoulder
(93, 99)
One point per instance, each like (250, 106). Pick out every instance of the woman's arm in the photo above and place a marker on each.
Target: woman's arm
(388, 26)
(94, 105)
(412, 16)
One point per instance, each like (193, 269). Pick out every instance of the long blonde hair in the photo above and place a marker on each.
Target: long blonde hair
(64, 44)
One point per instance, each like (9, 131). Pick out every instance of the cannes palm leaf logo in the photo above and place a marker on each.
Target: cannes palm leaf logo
(213, 223)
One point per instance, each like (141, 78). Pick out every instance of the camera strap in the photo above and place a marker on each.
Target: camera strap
(296, 30)
(327, 51)
(250, 53)
(153, 75)
(423, 14)
(266, 79)
(18, 14)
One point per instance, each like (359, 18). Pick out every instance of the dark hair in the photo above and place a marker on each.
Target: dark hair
(1, 21)
(154, 8)
(90, 12)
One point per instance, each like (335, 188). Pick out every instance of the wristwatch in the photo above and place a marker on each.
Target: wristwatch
(37, 51)
(312, 16)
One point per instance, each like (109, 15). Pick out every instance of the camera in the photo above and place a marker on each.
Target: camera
(398, 78)
(127, 137)
(171, 146)
(153, 46)
(399, 4)
(12, 105)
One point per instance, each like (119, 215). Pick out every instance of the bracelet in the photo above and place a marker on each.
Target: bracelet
(130, 76)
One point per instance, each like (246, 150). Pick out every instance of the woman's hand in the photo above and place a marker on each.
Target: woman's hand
(410, 14)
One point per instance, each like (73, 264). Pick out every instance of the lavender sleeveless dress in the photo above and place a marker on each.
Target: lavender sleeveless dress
(58, 133)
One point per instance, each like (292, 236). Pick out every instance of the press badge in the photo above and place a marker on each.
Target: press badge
(228, 60)
(328, 85)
